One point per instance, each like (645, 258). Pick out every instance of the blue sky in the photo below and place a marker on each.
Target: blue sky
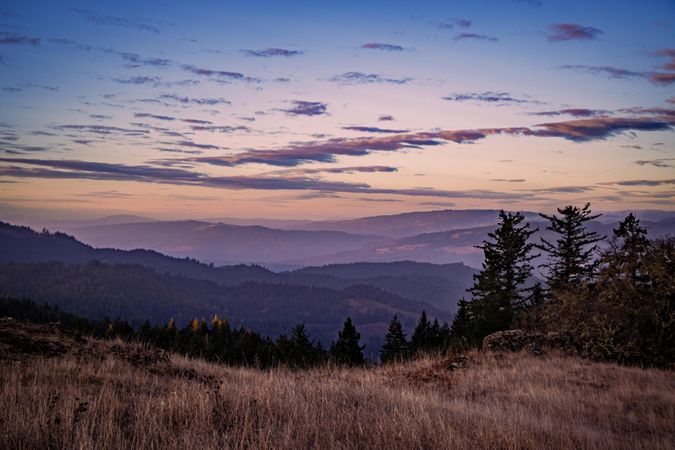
(318, 109)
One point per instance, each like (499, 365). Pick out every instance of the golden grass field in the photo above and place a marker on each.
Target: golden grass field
(62, 392)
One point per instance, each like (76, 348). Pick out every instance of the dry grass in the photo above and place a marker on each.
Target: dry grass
(104, 400)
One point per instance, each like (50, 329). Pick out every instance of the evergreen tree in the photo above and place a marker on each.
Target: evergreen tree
(499, 288)
(346, 350)
(571, 256)
(628, 247)
(302, 351)
(420, 340)
(395, 346)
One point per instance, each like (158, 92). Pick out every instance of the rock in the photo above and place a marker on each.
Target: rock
(513, 341)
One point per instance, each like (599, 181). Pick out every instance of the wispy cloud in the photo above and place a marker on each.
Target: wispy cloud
(382, 46)
(374, 130)
(7, 38)
(154, 116)
(509, 180)
(86, 170)
(486, 97)
(640, 182)
(220, 75)
(115, 21)
(272, 52)
(304, 108)
(475, 36)
(581, 130)
(367, 78)
(389, 117)
(575, 112)
(559, 32)
(662, 162)
(193, 100)
(453, 22)
(608, 71)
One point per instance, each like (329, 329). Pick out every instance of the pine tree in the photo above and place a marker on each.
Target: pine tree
(571, 256)
(302, 351)
(629, 245)
(346, 350)
(420, 340)
(395, 346)
(499, 288)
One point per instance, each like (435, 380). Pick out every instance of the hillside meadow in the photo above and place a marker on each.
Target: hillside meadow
(63, 391)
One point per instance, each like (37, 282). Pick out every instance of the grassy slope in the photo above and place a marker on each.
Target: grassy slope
(58, 391)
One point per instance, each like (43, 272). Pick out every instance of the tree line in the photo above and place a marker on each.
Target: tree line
(612, 303)
(217, 341)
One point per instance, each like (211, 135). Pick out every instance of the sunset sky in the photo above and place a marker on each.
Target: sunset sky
(315, 110)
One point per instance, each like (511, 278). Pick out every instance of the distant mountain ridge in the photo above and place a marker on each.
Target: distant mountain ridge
(440, 286)
(439, 237)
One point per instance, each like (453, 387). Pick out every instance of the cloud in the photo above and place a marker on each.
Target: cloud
(341, 170)
(139, 80)
(667, 53)
(509, 180)
(197, 121)
(452, 22)
(609, 71)
(374, 130)
(640, 182)
(662, 162)
(487, 97)
(220, 75)
(367, 78)
(382, 46)
(580, 130)
(662, 78)
(100, 129)
(303, 108)
(564, 189)
(7, 38)
(272, 52)
(191, 144)
(576, 112)
(115, 21)
(85, 170)
(194, 101)
(389, 118)
(439, 204)
(220, 129)
(154, 116)
(559, 32)
(475, 36)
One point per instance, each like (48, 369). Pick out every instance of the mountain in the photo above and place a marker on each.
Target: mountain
(413, 223)
(134, 293)
(65, 225)
(221, 243)
(440, 286)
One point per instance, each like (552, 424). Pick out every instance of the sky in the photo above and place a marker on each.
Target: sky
(324, 110)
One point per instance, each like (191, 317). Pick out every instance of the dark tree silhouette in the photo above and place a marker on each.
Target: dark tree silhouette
(395, 346)
(571, 256)
(499, 289)
(346, 350)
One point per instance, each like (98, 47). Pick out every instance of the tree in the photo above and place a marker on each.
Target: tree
(499, 288)
(346, 350)
(395, 346)
(628, 247)
(571, 256)
(420, 340)
(302, 351)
